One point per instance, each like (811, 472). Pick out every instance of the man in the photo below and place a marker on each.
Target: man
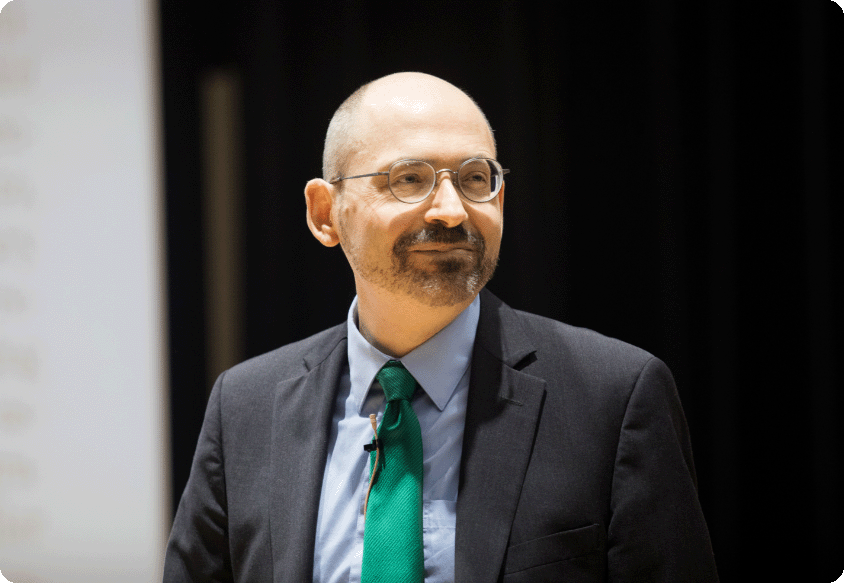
(548, 453)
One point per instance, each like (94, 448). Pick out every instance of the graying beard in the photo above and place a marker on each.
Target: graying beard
(445, 287)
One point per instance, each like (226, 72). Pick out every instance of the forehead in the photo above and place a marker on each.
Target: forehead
(419, 122)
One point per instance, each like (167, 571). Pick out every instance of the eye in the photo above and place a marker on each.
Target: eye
(475, 178)
(406, 178)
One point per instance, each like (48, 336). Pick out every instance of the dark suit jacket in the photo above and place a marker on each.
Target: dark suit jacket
(576, 463)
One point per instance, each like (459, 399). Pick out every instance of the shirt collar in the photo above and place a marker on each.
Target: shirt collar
(438, 364)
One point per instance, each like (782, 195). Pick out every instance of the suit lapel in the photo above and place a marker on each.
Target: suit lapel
(299, 451)
(501, 417)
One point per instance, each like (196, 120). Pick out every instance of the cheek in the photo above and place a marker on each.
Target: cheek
(361, 231)
(491, 225)
(387, 221)
(375, 221)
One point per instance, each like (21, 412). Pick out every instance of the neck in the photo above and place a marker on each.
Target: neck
(396, 324)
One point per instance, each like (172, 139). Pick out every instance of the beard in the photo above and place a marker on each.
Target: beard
(442, 282)
(452, 280)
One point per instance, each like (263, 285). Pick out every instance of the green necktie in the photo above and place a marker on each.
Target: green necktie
(392, 539)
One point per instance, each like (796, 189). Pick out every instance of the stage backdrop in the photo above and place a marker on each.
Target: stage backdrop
(675, 182)
(82, 468)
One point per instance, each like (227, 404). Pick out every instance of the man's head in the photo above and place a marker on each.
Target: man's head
(341, 137)
(440, 251)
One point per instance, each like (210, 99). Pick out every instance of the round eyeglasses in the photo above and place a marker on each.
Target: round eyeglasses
(411, 181)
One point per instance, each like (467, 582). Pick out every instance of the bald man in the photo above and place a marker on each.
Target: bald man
(548, 452)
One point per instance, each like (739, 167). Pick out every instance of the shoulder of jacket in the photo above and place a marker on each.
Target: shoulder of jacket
(567, 351)
(288, 361)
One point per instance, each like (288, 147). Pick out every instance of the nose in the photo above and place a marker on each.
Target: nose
(446, 202)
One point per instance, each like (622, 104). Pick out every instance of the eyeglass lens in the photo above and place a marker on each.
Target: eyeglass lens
(412, 180)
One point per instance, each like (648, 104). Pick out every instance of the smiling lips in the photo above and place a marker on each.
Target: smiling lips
(437, 240)
(442, 248)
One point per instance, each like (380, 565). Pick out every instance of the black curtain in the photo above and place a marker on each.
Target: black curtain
(675, 182)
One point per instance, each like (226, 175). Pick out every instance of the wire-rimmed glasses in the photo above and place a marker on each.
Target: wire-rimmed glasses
(411, 181)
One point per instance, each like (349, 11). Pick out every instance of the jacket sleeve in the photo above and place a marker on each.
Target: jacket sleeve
(198, 549)
(657, 532)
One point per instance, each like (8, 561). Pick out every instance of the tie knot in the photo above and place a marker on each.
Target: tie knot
(397, 382)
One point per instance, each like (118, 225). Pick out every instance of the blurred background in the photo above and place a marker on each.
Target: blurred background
(675, 183)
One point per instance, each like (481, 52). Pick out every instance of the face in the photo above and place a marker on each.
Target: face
(440, 251)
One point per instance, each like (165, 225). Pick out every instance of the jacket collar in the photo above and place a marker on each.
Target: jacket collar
(500, 332)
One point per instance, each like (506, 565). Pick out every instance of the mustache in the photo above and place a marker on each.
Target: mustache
(438, 233)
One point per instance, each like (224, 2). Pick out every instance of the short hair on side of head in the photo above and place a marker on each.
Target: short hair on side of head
(340, 136)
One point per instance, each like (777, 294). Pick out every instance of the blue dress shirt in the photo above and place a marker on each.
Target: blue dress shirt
(441, 366)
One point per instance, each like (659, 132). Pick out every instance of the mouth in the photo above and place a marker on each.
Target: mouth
(438, 244)
(442, 248)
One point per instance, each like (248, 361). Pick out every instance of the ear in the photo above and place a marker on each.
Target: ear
(319, 198)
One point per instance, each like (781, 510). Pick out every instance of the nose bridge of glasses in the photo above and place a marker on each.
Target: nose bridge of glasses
(454, 184)
(454, 173)
(447, 204)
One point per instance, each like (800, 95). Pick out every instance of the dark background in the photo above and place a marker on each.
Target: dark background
(675, 182)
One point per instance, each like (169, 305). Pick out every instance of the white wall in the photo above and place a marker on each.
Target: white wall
(83, 486)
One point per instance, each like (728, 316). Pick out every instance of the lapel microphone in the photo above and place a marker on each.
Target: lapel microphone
(376, 447)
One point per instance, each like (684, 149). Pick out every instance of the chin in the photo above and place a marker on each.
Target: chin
(448, 287)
